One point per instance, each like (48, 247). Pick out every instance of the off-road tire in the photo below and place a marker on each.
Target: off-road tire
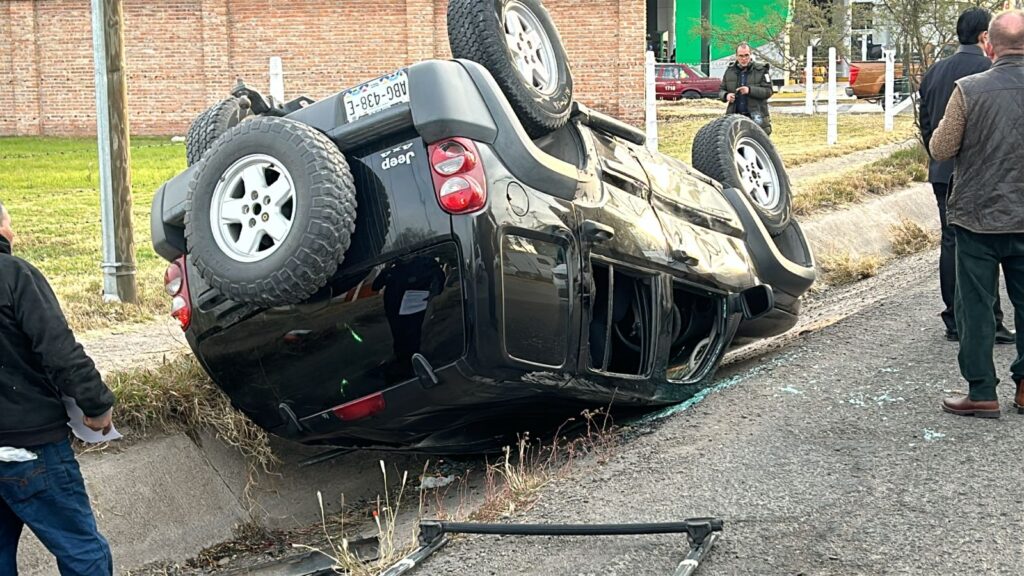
(323, 220)
(476, 33)
(209, 126)
(713, 154)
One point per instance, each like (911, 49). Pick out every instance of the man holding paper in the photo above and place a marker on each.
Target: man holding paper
(41, 485)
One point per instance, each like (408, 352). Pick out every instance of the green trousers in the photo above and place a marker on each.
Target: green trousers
(978, 257)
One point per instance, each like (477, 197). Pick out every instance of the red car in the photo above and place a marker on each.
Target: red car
(675, 81)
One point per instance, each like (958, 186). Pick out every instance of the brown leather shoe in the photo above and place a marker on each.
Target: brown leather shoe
(1018, 400)
(964, 406)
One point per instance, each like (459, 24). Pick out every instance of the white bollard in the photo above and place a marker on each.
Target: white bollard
(652, 104)
(276, 79)
(833, 105)
(809, 82)
(863, 47)
(890, 79)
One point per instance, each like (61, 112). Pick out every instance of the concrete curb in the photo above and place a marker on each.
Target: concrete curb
(167, 498)
(864, 228)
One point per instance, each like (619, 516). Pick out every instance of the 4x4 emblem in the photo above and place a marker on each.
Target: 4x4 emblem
(397, 156)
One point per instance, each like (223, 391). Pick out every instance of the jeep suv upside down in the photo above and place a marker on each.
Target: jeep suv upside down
(458, 250)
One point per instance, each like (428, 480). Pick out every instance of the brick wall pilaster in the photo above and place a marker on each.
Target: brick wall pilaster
(24, 63)
(6, 73)
(216, 38)
(419, 26)
(631, 55)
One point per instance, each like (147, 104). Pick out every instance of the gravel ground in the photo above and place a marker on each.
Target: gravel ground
(830, 456)
(139, 346)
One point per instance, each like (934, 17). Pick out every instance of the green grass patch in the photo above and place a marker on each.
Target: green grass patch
(881, 177)
(799, 139)
(51, 188)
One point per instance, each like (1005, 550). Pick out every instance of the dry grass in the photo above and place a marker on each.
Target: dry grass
(179, 397)
(392, 546)
(512, 483)
(909, 237)
(799, 139)
(841, 268)
(881, 177)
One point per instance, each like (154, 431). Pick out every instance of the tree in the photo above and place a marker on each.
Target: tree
(820, 22)
(925, 30)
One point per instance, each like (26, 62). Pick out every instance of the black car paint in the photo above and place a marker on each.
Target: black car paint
(505, 333)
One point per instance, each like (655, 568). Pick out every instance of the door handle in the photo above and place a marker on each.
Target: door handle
(597, 232)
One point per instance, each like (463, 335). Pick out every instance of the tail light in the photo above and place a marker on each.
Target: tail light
(459, 180)
(362, 408)
(854, 72)
(176, 285)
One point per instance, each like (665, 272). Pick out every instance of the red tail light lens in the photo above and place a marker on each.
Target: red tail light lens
(176, 285)
(854, 72)
(451, 157)
(459, 179)
(361, 408)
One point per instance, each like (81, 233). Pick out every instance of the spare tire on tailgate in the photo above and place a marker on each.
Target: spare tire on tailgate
(518, 43)
(737, 153)
(213, 122)
(271, 212)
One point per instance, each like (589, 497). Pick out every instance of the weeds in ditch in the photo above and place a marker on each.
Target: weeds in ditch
(390, 548)
(179, 397)
(909, 237)
(843, 268)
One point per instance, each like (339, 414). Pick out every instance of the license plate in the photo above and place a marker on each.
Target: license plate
(376, 95)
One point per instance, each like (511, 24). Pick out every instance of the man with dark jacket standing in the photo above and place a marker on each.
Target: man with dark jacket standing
(985, 209)
(40, 483)
(938, 83)
(746, 86)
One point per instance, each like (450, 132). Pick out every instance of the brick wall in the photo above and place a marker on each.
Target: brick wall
(182, 55)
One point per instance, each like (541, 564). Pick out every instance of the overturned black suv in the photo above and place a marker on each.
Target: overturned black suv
(458, 250)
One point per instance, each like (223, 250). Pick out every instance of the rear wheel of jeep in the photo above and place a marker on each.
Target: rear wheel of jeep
(518, 43)
(271, 212)
(209, 126)
(736, 152)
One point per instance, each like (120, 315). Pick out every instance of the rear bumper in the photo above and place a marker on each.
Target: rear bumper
(785, 263)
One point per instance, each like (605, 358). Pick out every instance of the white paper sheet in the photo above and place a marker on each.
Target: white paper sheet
(80, 430)
(414, 302)
(8, 454)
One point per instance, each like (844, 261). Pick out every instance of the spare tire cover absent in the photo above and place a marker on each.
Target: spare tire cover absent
(737, 153)
(270, 212)
(209, 125)
(518, 43)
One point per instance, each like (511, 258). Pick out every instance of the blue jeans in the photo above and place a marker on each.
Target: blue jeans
(48, 495)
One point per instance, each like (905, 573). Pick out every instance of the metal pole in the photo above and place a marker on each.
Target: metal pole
(833, 110)
(277, 79)
(114, 152)
(652, 105)
(809, 82)
(863, 46)
(890, 78)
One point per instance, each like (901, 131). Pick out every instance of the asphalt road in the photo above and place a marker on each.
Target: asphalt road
(829, 455)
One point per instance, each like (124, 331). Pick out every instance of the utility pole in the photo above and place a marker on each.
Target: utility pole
(114, 152)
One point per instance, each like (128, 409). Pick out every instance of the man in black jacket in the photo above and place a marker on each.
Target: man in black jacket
(747, 86)
(40, 482)
(972, 32)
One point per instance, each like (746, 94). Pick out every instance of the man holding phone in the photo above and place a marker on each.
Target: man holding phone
(746, 87)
